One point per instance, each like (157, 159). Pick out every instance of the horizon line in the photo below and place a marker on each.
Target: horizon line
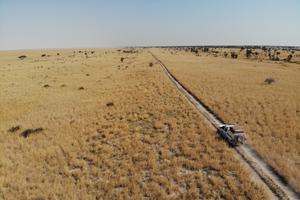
(154, 46)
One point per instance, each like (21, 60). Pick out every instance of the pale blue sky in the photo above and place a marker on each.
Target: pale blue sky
(27, 24)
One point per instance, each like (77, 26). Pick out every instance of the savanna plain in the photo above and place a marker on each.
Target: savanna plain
(108, 124)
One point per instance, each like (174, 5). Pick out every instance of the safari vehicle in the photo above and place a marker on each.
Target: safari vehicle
(233, 134)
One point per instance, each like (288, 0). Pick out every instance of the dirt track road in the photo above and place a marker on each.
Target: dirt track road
(261, 172)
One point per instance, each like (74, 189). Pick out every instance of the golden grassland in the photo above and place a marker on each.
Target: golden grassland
(235, 89)
(99, 128)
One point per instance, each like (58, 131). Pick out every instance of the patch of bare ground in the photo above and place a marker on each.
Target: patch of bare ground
(262, 97)
(131, 135)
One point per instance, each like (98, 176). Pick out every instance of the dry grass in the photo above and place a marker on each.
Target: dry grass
(128, 135)
(240, 91)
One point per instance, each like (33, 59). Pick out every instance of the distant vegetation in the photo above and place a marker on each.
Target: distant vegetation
(130, 51)
(273, 53)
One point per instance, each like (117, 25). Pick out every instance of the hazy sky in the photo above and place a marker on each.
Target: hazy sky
(113, 23)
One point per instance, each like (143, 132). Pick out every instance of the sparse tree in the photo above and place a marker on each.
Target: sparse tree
(248, 53)
(289, 58)
(234, 55)
(225, 54)
(264, 48)
(205, 49)
(194, 50)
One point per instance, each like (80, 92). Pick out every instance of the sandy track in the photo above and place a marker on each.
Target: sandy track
(272, 182)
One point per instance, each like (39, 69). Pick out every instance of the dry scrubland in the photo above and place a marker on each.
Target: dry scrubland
(261, 96)
(259, 54)
(88, 126)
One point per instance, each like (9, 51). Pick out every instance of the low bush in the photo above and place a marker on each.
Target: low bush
(269, 81)
(22, 57)
(14, 129)
(28, 132)
(109, 104)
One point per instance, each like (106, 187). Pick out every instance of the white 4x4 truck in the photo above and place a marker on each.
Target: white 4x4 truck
(234, 135)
